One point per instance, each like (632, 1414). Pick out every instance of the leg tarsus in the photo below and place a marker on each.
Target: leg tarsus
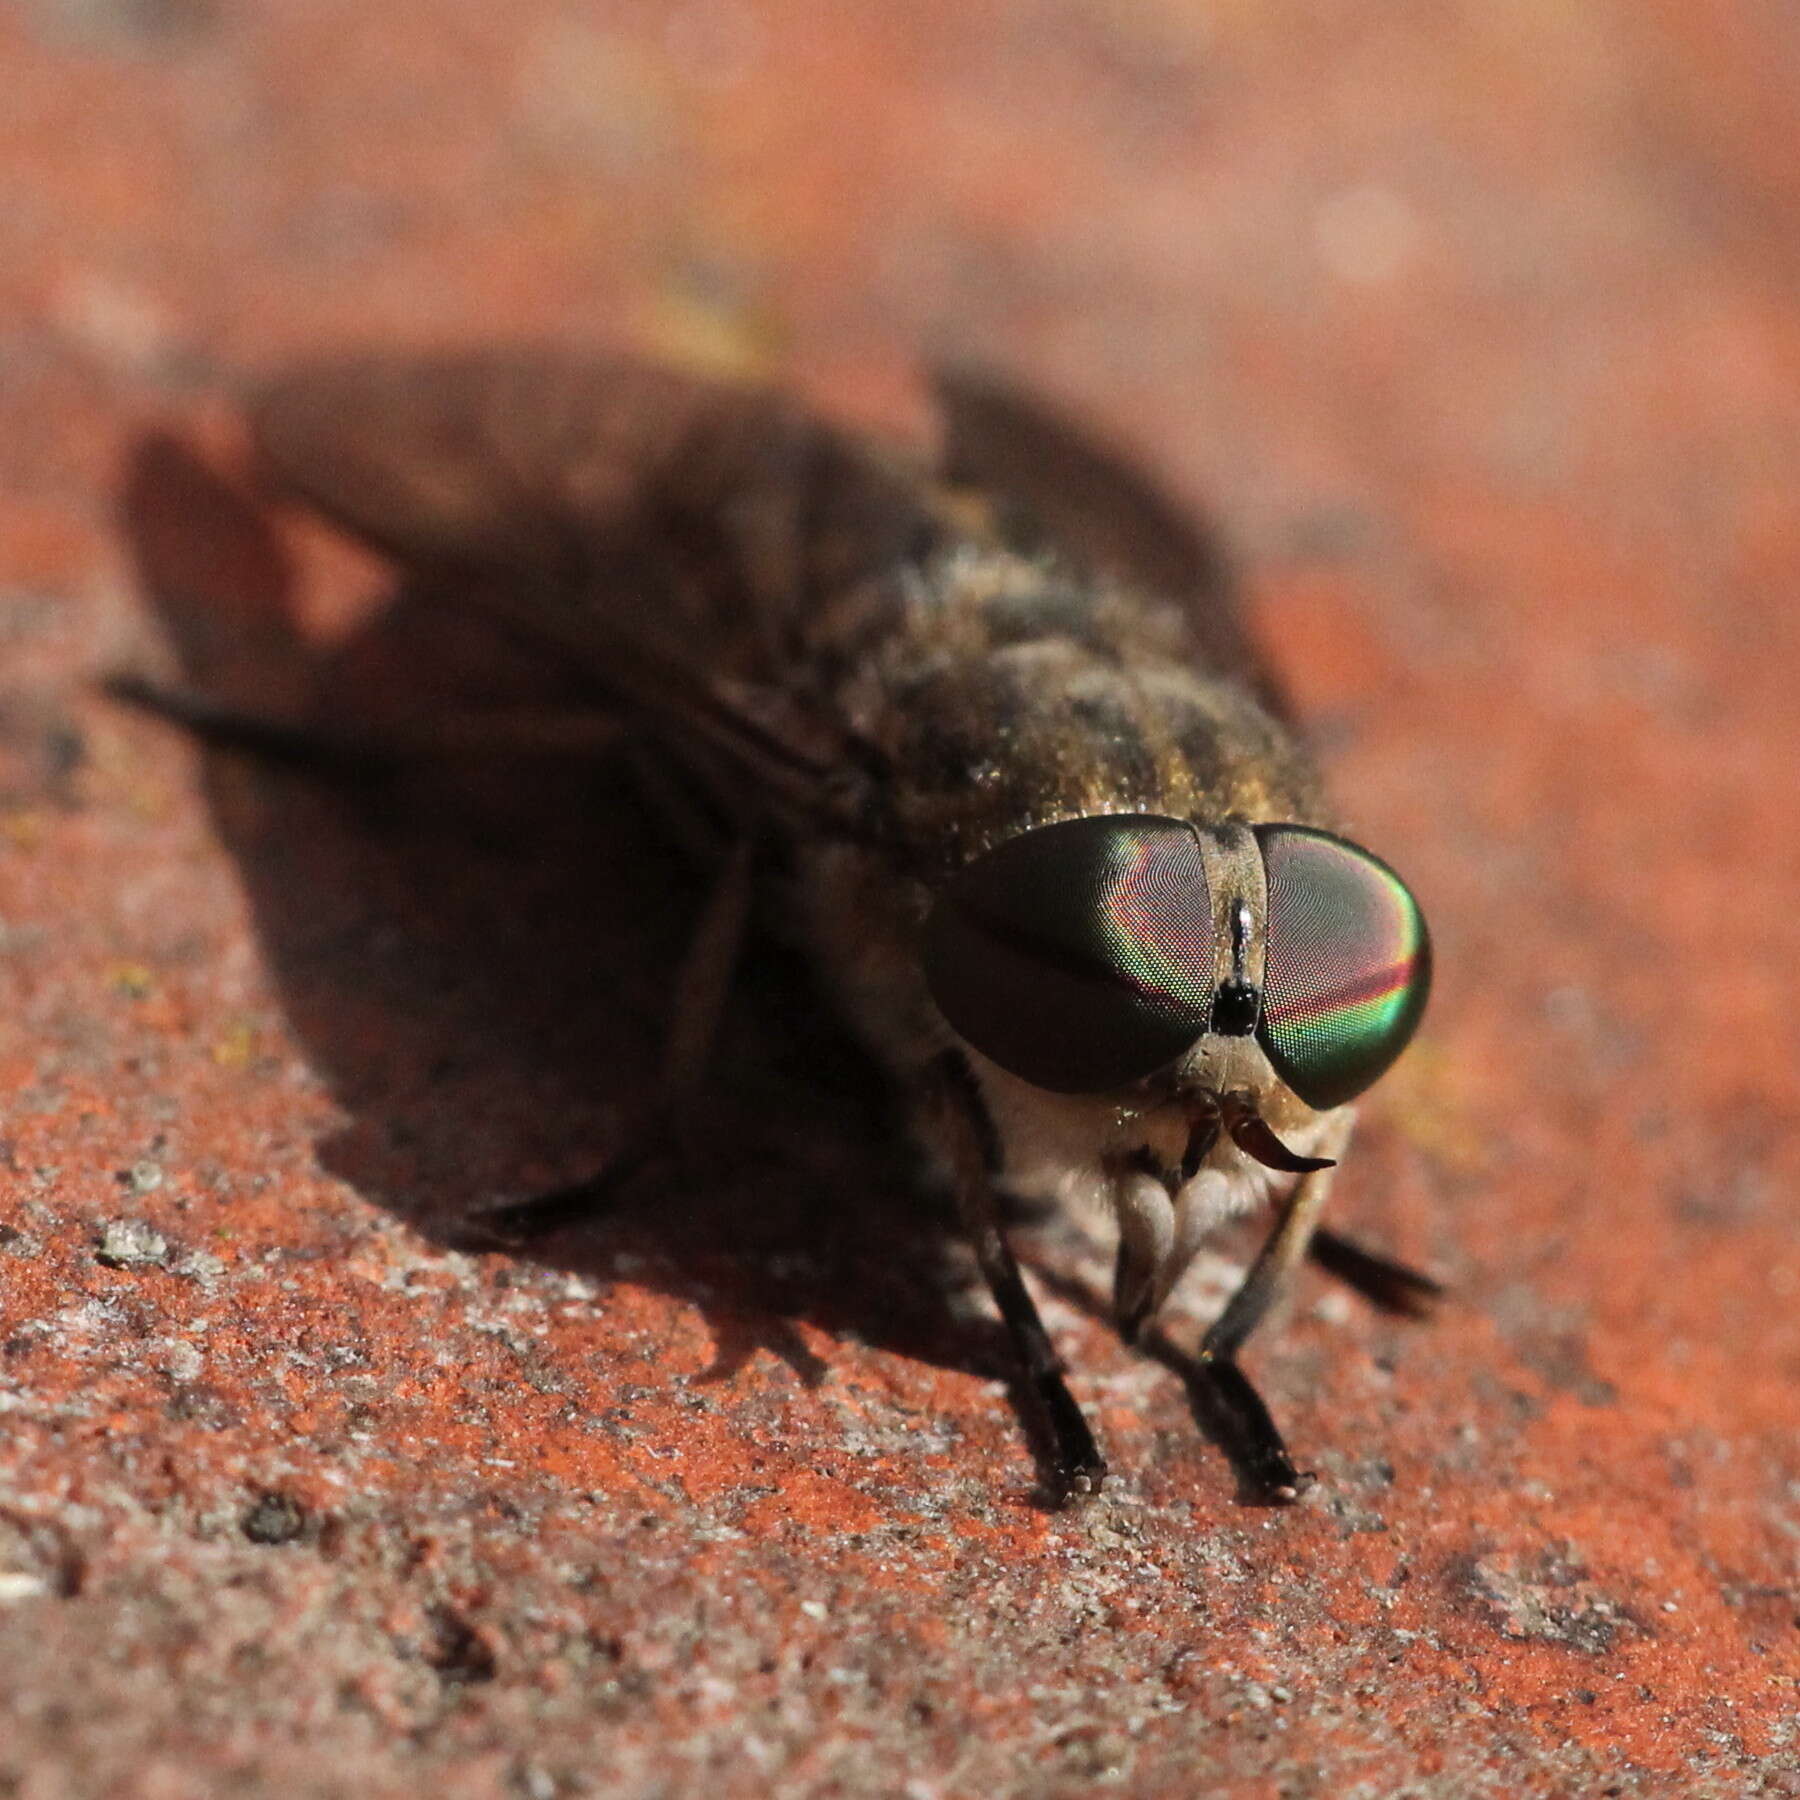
(1076, 1467)
(1255, 1442)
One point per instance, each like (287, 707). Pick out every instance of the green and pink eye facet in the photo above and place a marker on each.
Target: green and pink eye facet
(1348, 964)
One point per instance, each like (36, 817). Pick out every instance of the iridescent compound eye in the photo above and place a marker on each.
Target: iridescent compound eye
(1348, 964)
(1077, 956)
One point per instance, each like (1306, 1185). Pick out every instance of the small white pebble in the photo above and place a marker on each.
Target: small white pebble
(16, 1585)
(1334, 1308)
(131, 1244)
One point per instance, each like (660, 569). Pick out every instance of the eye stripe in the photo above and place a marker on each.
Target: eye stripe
(1387, 984)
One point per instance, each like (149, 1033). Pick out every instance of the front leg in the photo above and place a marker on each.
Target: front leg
(1265, 1455)
(1076, 1466)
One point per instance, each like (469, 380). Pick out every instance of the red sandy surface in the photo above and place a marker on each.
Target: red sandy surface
(1473, 330)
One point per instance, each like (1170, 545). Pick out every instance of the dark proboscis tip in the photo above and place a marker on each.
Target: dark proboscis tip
(1252, 1136)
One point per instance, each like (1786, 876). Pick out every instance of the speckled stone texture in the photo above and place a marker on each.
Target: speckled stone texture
(1472, 329)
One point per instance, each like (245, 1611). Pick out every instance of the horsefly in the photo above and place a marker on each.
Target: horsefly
(1048, 834)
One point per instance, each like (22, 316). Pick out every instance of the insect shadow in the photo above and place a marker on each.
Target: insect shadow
(476, 954)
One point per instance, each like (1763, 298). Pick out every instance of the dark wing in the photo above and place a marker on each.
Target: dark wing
(519, 461)
(663, 531)
(1079, 497)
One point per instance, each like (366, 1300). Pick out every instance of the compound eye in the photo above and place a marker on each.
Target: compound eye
(1077, 956)
(1348, 964)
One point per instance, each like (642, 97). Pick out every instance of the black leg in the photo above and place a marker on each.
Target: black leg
(542, 1215)
(1129, 1312)
(1076, 1465)
(1241, 1422)
(702, 986)
(340, 753)
(312, 749)
(1265, 1456)
(1282, 1253)
(1380, 1280)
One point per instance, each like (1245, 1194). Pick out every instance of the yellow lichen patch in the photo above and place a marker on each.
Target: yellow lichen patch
(23, 828)
(234, 1048)
(131, 980)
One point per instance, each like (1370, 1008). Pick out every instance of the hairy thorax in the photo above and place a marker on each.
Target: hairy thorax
(1005, 698)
